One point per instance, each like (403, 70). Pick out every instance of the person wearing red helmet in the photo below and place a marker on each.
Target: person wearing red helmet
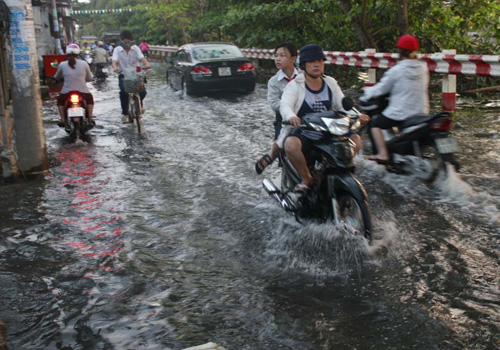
(408, 83)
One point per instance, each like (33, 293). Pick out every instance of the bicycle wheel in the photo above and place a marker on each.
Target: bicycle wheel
(131, 108)
(138, 108)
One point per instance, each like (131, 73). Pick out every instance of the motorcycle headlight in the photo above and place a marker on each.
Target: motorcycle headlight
(338, 126)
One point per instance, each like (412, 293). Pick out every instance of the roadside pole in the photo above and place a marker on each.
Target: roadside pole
(57, 32)
(25, 90)
(449, 87)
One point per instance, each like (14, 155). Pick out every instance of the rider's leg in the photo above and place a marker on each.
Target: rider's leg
(143, 94)
(90, 109)
(293, 149)
(123, 95)
(378, 137)
(357, 142)
(61, 101)
(61, 113)
(274, 151)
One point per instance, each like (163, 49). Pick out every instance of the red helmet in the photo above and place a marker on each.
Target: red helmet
(408, 42)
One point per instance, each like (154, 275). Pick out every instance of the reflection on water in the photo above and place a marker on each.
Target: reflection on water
(167, 240)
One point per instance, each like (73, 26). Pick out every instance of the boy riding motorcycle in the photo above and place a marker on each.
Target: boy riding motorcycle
(310, 92)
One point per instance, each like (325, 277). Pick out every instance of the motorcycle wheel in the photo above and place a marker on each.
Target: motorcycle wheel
(432, 164)
(355, 213)
(75, 131)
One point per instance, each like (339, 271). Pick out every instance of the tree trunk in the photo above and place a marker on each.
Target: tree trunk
(403, 17)
(359, 25)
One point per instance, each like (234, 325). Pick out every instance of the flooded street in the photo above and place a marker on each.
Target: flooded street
(167, 240)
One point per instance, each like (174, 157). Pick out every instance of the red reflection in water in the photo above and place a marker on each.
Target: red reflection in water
(100, 227)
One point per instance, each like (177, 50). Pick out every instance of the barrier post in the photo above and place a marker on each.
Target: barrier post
(449, 87)
(372, 72)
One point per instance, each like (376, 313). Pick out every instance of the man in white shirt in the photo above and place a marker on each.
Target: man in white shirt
(127, 56)
(285, 58)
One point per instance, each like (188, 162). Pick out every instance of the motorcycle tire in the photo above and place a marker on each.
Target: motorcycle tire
(436, 163)
(355, 213)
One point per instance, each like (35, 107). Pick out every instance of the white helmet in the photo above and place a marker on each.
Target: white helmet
(72, 49)
(100, 43)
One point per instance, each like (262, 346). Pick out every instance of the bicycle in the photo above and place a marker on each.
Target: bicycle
(133, 87)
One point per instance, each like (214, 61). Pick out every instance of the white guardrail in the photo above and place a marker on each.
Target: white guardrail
(447, 63)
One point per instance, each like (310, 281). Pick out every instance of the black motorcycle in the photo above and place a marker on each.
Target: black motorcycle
(101, 71)
(77, 121)
(421, 145)
(336, 196)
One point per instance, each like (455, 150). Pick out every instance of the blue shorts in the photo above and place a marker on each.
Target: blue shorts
(306, 142)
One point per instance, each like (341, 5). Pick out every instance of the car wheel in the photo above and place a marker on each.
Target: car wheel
(187, 89)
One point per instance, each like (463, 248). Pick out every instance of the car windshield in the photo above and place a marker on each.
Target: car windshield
(213, 52)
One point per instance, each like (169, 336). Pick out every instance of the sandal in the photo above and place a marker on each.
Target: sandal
(260, 166)
(61, 124)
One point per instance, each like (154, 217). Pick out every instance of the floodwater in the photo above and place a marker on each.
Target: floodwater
(167, 240)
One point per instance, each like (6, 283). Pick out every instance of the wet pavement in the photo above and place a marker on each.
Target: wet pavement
(167, 240)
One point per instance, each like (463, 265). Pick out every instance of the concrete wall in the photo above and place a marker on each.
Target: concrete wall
(45, 43)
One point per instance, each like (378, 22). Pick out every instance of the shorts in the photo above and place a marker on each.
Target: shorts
(382, 122)
(87, 97)
(307, 144)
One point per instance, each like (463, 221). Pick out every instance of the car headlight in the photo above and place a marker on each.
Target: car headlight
(338, 126)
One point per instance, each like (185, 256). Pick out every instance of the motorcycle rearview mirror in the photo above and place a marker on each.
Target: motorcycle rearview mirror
(347, 103)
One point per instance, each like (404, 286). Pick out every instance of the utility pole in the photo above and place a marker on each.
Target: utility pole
(25, 90)
(57, 32)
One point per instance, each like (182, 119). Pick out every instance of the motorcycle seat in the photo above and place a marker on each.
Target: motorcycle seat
(422, 118)
(415, 120)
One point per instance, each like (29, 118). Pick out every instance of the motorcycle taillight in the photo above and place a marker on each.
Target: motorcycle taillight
(74, 98)
(442, 124)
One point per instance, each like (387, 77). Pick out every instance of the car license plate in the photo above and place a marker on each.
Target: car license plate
(447, 145)
(75, 112)
(105, 70)
(224, 71)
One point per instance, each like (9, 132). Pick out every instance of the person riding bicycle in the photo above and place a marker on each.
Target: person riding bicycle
(127, 56)
(76, 74)
(407, 82)
(310, 92)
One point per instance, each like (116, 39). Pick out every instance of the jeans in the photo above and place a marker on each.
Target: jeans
(124, 95)
(277, 125)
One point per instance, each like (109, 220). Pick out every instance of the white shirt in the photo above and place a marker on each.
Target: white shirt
(275, 88)
(74, 79)
(127, 60)
(293, 97)
(408, 83)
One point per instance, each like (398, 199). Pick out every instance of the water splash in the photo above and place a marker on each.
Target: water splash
(453, 189)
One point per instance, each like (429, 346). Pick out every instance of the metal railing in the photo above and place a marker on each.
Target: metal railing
(447, 63)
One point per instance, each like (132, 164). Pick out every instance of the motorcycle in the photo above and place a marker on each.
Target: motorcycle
(101, 71)
(77, 122)
(336, 196)
(421, 145)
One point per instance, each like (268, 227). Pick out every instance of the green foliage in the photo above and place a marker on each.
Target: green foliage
(468, 26)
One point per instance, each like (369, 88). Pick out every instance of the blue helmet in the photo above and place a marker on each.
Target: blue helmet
(311, 52)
